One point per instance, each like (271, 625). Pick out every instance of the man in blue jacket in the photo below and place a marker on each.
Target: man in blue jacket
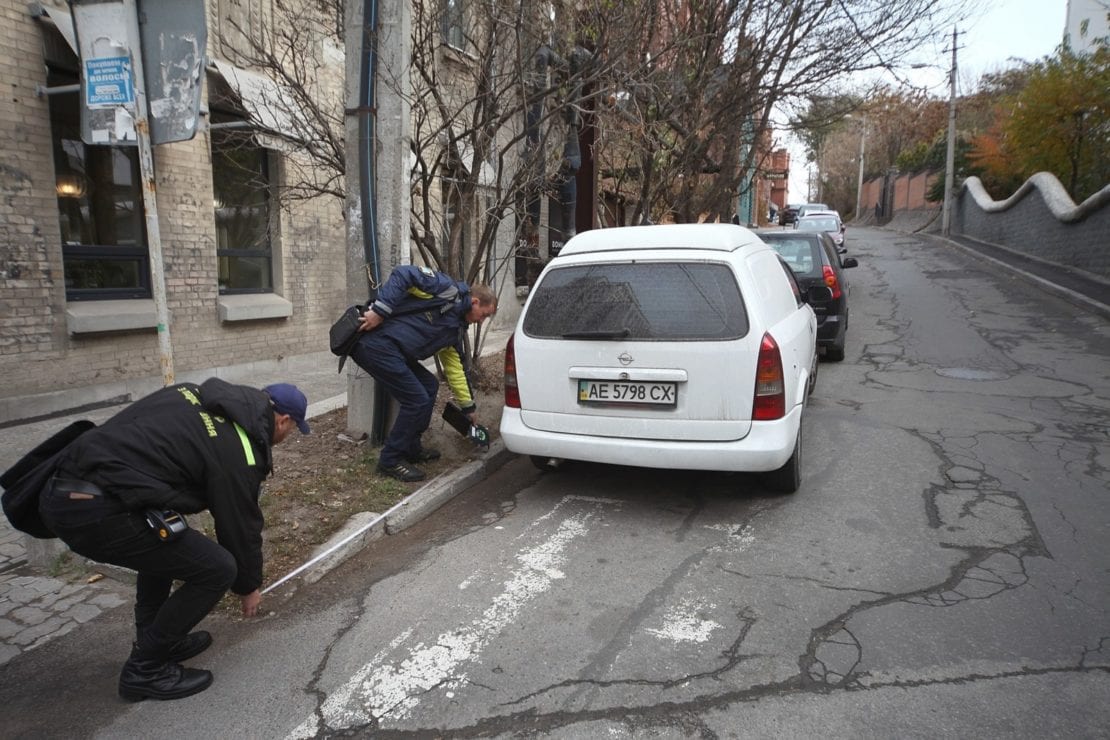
(419, 312)
(184, 449)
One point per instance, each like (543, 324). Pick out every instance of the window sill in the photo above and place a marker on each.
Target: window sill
(253, 307)
(91, 317)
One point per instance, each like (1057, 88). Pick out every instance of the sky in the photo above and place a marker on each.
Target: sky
(1025, 29)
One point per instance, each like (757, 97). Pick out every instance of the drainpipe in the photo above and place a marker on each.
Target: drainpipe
(368, 68)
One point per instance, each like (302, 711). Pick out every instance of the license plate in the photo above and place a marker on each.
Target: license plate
(627, 391)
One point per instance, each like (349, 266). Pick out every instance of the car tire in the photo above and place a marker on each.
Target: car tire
(834, 352)
(812, 384)
(788, 478)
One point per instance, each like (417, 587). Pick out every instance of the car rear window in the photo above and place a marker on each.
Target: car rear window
(800, 254)
(819, 224)
(642, 301)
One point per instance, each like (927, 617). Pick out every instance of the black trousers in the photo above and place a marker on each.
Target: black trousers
(100, 528)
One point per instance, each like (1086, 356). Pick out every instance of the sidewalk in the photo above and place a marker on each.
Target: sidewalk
(1084, 289)
(36, 607)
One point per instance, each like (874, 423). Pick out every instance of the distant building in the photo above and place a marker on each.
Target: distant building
(1086, 22)
(778, 178)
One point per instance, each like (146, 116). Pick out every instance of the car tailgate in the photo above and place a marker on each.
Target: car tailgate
(712, 384)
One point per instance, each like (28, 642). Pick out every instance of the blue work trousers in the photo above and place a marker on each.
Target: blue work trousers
(411, 386)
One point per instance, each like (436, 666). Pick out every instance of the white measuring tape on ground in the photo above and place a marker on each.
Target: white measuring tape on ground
(302, 568)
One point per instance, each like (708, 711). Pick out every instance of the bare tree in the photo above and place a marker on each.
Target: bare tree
(679, 97)
(709, 76)
(298, 48)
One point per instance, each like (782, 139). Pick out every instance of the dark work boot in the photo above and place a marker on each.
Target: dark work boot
(145, 677)
(189, 646)
(402, 472)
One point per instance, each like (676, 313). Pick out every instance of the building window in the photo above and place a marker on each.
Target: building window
(453, 12)
(100, 206)
(243, 210)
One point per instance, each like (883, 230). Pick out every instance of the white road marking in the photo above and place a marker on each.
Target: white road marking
(682, 623)
(382, 689)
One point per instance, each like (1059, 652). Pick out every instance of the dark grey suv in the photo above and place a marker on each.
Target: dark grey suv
(815, 261)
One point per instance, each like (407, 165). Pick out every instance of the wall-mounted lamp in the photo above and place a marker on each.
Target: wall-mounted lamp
(70, 186)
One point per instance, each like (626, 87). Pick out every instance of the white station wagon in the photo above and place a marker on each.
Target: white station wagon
(675, 346)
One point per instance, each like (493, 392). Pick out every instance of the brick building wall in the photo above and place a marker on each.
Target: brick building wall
(32, 325)
(39, 354)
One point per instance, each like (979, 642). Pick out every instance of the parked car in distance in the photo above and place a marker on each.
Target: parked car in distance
(687, 346)
(814, 259)
(826, 221)
(788, 214)
(807, 208)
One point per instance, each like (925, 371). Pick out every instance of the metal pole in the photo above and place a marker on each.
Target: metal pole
(150, 200)
(950, 152)
(859, 182)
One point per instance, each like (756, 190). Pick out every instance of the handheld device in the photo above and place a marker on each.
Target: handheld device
(476, 433)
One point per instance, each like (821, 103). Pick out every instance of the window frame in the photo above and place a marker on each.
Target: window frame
(265, 172)
(65, 120)
(453, 24)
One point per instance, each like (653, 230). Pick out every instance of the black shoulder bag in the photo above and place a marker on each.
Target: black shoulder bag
(344, 333)
(24, 481)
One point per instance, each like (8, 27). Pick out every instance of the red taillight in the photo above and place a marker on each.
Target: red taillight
(831, 281)
(512, 393)
(770, 385)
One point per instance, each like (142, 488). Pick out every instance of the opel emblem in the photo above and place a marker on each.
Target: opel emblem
(624, 358)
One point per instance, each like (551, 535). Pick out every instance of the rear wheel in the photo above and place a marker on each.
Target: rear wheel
(834, 352)
(788, 478)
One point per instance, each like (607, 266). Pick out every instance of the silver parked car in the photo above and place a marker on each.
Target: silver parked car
(826, 221)
(674, 346)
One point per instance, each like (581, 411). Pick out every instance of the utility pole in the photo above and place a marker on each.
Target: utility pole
(950, 152)
(378, 134)
(859, 182)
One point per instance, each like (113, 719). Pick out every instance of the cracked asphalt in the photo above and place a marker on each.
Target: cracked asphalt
(943, 572)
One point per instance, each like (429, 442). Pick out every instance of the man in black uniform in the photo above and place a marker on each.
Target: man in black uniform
(183, 449)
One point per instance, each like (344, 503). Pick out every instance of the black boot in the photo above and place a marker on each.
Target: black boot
(189, 646)
(146, 676)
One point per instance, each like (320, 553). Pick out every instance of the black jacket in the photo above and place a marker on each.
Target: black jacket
(188, 448)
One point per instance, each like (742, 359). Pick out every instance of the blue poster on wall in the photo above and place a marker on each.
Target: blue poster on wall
(108, 82)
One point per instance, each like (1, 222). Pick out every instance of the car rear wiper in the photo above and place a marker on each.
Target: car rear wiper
(598, 334)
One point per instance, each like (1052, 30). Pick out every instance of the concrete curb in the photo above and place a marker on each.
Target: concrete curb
(418, 505)
(442, 489)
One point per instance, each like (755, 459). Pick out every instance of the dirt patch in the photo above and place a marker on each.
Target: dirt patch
(321, 479)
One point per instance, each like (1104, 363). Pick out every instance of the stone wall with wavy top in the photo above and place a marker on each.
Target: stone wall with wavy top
(1039, 220)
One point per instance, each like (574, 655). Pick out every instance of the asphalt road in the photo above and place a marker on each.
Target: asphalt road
(941, 573)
